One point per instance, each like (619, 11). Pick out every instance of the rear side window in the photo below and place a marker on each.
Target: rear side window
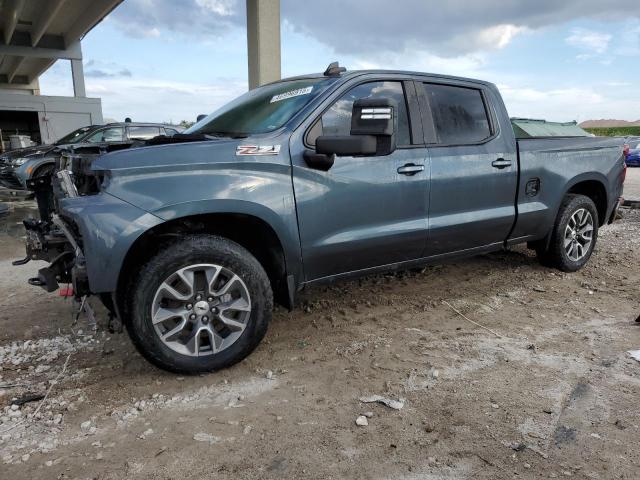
(459, 114)
(143, 133)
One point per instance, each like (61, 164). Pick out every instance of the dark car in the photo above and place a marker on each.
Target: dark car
(19, 166)
(311, 180)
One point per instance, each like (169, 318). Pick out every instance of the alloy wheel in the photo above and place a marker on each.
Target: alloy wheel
(201, 309)
(578, 234)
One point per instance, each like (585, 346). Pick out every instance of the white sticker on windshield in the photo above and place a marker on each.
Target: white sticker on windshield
(291, 94)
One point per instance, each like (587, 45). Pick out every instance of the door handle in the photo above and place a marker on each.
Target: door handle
(501, 163)
(410, 169)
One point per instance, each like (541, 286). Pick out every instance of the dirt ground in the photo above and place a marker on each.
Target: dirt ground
(553, 393)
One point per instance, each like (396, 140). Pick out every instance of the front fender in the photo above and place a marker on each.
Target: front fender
(280, 216)
(25, 171)
(108, 227)
(259, 187)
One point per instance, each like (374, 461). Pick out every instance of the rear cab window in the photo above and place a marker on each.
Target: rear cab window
(143, 133)
(459, 115)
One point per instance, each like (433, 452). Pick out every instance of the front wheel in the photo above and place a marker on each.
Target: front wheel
(574, 235)
(202, 304)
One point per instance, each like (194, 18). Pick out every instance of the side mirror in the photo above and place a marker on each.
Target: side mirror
(374, 123)
(347, 146)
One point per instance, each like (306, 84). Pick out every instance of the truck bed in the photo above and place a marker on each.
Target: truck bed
(559, 163)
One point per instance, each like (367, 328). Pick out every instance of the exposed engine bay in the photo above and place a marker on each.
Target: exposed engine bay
(53, 238)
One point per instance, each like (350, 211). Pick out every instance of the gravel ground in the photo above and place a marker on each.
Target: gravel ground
(552, 393)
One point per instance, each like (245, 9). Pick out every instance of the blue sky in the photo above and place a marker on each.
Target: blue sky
(161, 60)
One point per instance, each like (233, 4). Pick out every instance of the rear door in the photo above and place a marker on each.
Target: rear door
(473, 166)
(364, 212)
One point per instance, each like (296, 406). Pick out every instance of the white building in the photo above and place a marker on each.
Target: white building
(34, 34)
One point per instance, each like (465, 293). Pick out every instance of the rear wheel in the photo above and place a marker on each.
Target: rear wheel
(574, 235)
(200, 305)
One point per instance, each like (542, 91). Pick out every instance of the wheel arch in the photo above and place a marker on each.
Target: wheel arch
(593, 187)
(38, 165)
(250, 231)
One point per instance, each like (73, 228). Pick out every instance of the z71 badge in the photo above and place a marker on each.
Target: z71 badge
(256, 150)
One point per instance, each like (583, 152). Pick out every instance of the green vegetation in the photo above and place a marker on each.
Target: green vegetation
(615, 131)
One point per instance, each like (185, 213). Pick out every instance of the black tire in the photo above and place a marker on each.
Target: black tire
(43, 171)
(556, 255)
(190, 250)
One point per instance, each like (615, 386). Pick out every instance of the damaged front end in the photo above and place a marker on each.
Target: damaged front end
(55, 243)
(52, 238)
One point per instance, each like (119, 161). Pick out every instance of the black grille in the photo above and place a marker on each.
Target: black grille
(8, 179)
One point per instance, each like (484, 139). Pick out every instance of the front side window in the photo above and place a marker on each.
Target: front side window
(107, 135)
(459, 114)
(337, 120)
(143, 133)
(74, 136)
(262, 110)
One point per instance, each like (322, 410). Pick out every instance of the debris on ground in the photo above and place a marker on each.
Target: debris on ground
(468, 319)
(362, 421)
(27, 399)
(635, 354)
(395, 404)
(206, 437)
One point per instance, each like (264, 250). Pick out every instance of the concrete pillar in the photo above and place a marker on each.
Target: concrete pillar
(263, 41)
(77, 74)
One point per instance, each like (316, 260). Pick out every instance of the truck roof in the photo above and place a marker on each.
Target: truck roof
(355, 73)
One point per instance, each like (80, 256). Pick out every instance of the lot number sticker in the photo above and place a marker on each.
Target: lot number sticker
(293, 93)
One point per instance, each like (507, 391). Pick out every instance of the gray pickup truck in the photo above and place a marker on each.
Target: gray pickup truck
(313, 179)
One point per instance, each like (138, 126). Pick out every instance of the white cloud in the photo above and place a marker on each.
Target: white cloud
(419, 60)
(499, 36)
(590, 40)
(224, 8)
(567, 104)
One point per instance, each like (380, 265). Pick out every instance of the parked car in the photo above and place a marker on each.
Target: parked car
(633, 155)
(311, 180)
(18, 166)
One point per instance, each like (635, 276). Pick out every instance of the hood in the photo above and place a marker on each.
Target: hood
(37, 151)
(178, 156)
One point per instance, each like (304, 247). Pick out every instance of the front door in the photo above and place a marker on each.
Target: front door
(364, 212)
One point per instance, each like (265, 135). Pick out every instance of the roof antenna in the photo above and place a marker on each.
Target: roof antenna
(334, 70)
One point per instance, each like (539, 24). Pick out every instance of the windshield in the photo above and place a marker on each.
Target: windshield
(261, 110)
(74, 136)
